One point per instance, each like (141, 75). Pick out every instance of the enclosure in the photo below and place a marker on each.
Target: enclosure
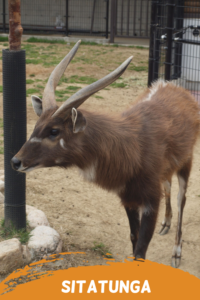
(130, 18)
(175, 43)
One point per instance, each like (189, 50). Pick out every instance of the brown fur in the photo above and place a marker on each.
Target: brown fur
(132, 153)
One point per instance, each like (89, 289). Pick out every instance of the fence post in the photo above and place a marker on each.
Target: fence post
(107, 17)
(152, 44)
(14, 116)
(112, 21)
(4, 15)
(66, 23)
(170, 28)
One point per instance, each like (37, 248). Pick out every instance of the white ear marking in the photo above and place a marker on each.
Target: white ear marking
(74, 118)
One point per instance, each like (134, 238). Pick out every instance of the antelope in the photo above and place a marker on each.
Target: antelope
(133, 154)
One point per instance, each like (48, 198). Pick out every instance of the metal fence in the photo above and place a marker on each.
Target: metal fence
(132, 18)
(61, 16)
(175, 43)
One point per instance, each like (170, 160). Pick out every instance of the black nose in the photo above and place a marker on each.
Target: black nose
(15, 163)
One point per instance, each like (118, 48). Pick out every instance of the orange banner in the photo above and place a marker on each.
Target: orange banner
(139, 279)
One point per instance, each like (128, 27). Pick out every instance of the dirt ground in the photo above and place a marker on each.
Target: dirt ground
(83, 213)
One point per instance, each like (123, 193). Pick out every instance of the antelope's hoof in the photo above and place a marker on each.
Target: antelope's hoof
(164, 230)
(176, 260)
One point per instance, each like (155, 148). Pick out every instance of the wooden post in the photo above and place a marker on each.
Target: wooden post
(15, 25)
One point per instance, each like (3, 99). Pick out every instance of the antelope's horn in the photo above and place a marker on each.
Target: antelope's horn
(49, 99)
(78, 98)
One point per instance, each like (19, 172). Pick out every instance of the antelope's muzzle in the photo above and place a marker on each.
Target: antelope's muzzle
(15, 163)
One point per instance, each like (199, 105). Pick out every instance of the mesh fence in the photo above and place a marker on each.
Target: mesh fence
(175, 43)
(67, 16)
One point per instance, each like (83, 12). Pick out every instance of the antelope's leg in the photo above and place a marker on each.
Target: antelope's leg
(134, 222)
(166, 223)
(147, 226)
(183, 176)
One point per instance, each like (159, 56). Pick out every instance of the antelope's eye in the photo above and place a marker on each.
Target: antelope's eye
(54, 132)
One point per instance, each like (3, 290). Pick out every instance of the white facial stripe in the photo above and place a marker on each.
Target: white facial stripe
(62, 144)
(35, 140)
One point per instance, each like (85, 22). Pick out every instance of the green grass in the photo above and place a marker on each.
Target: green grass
(38, 40)
(73, 88)
(11, 232)
(29, 81)
(3, 39)
(31, 91)
(118, 85)
(102, 249)
(138, 68)
(32, 75)
(1, 123)
(1, 89)
(99, 97)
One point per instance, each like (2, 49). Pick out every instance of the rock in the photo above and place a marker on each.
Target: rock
(29, 208)
(1, 198)
(1, 186)
(26, 255)
(43, 242)
(11, 257)
(36, 217)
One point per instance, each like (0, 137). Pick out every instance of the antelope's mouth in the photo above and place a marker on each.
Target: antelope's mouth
(28, 169)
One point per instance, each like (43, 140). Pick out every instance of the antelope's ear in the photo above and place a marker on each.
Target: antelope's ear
(78, 121)
(37, 105)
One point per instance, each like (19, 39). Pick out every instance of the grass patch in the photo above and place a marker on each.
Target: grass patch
(37, 40)
(1, 123)
(73, 88)
(1, 89)
(102, 249)
(99, 97)
(118, 85)
(31, 92)
(32, 75)
(3, 39)
(138, 68)
(29, 81)
(11, 232)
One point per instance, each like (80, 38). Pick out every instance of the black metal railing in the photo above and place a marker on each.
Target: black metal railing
(175, 43)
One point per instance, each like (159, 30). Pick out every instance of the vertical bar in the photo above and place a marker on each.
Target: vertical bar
(122, 7)
(107, 17)
(128, 13)
(170, 25)
(92, 21)
(147, 18)
(152, 42)
(178, 46)
(112, 21)
(134, 17)
(67, 13)
(141, 17)
(4, 15)
(116, 11)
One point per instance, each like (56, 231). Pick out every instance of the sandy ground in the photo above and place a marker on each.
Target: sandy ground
(83, 213)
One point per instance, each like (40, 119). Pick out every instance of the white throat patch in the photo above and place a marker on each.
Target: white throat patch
(89, 173)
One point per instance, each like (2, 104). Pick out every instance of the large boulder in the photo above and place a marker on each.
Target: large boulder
(43, 242)
(35, 217)
(11, 255)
